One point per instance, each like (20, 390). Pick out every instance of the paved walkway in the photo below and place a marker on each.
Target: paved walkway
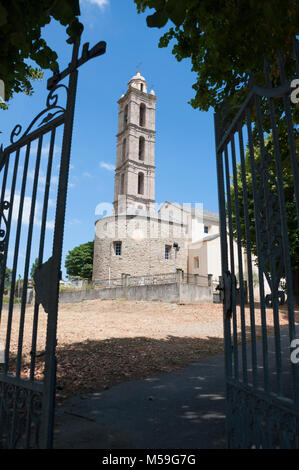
(179, 410)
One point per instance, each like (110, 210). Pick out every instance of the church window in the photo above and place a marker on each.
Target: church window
(141, 148)
(206, 229)
(126, 115)
(124, 149)
(140, 183)
(167, 251)
(196, 262)
(142, 115)
(141, 86)
(117, 248)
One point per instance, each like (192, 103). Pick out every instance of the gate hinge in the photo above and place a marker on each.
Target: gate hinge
(42, 282)
(226, 285)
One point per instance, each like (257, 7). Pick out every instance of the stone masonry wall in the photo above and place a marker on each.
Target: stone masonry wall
(143, 246)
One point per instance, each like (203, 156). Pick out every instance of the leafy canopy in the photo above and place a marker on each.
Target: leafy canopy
(79, 261)
(20, 39)
(225, 40)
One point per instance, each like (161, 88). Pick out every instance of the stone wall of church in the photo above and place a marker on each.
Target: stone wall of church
(143, 241)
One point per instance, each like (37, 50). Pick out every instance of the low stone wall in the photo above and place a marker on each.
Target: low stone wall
(173, 292)
(192, 294)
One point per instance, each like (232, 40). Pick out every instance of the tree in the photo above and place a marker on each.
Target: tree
(7, 278)
(267, 181)
(33, 268)
(21, 39)
(79, 261)
(225, 40)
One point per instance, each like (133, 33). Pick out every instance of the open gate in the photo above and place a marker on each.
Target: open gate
(34, 173)
(258, 186)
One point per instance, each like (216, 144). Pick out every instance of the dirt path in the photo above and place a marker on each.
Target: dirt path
(102, 343)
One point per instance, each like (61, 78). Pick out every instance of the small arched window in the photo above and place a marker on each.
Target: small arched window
(126, 115)
(140, 183)
(142, 115)
(141, 148)
(124, 149)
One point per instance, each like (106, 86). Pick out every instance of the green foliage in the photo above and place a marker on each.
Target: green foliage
(20, 39)
(33, 268)
(79, 261)
(225, 40)
(7, 280)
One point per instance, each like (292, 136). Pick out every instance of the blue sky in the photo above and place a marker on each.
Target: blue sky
(185, 152)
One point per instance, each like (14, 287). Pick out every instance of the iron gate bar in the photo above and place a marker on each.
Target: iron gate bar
(15, 260)
(261, 254)
(249, 262)
(5, 241)
(27, 405)
(240, 264)
(232, 268)
(260, 413)
(41, 251)
(256, 204)
(285, 238)
(224, 263)
(274, 281)
(291, 137)
(28, 251)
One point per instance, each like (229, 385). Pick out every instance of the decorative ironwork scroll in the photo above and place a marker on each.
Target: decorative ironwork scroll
(52, 109)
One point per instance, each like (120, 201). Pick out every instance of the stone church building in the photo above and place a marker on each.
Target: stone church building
(140, 239)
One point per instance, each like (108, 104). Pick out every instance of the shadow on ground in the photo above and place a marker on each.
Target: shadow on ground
(184, 409)
(93, 366)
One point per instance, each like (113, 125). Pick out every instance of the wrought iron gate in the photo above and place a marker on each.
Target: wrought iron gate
(258, 186)
(34, 171)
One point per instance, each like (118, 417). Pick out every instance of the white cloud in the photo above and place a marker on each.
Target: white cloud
(100, 3)
(54, 179)
(42, 177)
(45, 149)
(27, 210)
(107, 166)
(73, 222)
(50, 224)
(87, 175)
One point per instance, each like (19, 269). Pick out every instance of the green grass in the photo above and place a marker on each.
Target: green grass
(7, 299)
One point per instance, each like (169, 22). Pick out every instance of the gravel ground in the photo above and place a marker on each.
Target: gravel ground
(104, 342)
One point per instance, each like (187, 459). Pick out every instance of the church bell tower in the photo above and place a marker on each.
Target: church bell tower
(134, 186)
